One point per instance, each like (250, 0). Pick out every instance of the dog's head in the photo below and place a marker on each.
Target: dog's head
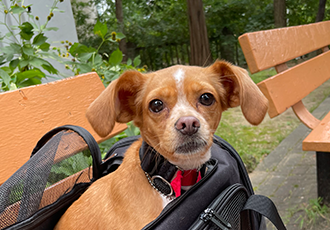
(178, 109)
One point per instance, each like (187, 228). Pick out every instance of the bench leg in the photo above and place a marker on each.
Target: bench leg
(323, 175)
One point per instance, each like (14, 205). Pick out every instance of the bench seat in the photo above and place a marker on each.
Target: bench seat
(319, 139)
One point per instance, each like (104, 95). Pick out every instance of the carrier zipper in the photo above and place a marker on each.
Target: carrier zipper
(210, 214)
(177, 200)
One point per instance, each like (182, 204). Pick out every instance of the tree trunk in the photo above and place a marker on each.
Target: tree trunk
(320, 12)
(120, 19)
(199, 43)
(279, 13)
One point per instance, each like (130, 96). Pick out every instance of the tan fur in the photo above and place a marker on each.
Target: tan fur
(124, 199)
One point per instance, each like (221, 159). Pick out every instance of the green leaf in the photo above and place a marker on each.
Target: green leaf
(23, 63)
(28, 50)
(17, 9)
(5, 77)
(129, 62)
(50, 68)
(44, 47)
(10, 57)
(23, 76)
(111, 75)
(30, 81)
(12, 86)
(116, 57)
(98, 60)
(7, 69)
(40, 63)
(82, 52)
(100, 29)
(73, 48)
(137, 61)
(84, 56)
(26, 31)
(2, 58)
(84, 68)
(37, 62)
(14, 63)
(120, 35)
(13, 48)
(39, 39)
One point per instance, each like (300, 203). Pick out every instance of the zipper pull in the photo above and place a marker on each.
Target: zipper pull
(210, 215)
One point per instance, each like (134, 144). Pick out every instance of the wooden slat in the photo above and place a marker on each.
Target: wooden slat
(27, 114)
(319, 138)
(269, 48)
(289, 87)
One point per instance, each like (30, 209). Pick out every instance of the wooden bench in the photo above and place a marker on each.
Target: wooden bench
(274, 48)
(27, 114)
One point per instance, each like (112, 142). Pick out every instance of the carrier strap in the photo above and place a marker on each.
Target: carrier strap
(265, 207)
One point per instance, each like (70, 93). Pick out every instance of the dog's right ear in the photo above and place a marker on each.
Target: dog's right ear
(117, 103)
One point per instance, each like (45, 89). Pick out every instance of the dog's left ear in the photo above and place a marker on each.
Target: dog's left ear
(241, 90)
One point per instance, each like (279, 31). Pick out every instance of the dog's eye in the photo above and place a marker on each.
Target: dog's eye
(206, 99)
(156, 106)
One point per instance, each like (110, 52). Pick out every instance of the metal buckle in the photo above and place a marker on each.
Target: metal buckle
(165, 181)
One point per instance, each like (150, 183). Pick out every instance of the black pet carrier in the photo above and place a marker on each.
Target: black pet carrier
(59, 171)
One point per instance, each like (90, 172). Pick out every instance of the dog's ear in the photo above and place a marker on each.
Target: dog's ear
(241, 90)
(116, 103)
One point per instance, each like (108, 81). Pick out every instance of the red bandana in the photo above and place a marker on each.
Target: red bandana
(189, 178)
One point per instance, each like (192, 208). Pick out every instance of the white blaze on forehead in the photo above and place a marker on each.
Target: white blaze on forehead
(179, 76)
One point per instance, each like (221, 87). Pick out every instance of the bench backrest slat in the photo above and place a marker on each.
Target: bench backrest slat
(27, 114)
(266, 49)
(289, 87)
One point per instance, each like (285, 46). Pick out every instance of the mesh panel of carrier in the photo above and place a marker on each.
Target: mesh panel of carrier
(61, 163)
(231, 211)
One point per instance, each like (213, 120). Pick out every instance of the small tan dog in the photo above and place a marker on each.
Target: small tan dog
(177, 109)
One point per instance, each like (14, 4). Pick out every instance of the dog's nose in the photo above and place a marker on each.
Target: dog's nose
(187, 125)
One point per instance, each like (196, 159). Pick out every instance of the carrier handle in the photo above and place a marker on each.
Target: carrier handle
(265, 207)
(88, 138)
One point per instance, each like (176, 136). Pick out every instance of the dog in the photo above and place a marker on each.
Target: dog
(177, 109)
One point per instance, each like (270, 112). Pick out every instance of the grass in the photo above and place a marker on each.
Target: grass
(309, 213)
(253, 143)
(262, 75)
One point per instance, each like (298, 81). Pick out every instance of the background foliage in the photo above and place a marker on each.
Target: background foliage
(153, 28)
